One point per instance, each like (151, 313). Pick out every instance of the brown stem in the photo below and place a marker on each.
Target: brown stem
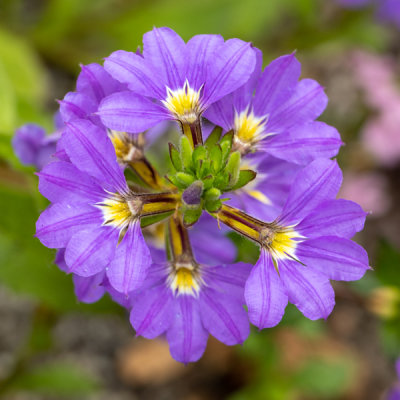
(243, 223)
(181, 249)
(157, 203)
(193, 132)
(146, 173)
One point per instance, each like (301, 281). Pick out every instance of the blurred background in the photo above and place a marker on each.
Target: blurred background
(52, 347)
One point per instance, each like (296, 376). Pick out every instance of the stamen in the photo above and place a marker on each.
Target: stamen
(184, 103)
(185, 275)
(118, 212)
(249, 130)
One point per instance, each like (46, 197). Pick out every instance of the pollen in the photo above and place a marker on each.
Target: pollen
(185, 280)
(281, 243)
(184, 103)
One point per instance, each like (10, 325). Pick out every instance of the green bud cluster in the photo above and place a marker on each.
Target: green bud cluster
(203, 174)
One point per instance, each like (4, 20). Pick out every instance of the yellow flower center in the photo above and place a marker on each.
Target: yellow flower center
(251, 187)
(249, 128)
(281, 243)
(126, 147)
(185, 279)
(118, 211)
(184, 103)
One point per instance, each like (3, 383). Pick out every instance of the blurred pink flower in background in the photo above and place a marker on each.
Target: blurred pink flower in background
(381, 134)
(368, 189)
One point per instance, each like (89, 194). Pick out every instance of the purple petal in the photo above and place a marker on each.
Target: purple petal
(254, 207)
(58, 121)
(60, 260)
(307, 103)
(90, 251)
(221, 113)
(61, 154)
(59, 222)
(306, 143)
(186, 336)
(243, 97)
(90, 149)
(276, 84)
(200, 51)
(96, 82)
(45, 155)
(228, 279)
(130, 112)
(314, 184)
(165, 50)
(133, 70)
(152, 310)
(231, 67)
(308, 289)
(89, 289)
(132, 259)
(333, 218)
(223, 315)
(274, 178)
(27, 142)
(338, 258)
(264, 293)
(76, 105)
(219, 250)
(62, 181)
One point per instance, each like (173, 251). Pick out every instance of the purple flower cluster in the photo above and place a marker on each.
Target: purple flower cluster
(157, 243)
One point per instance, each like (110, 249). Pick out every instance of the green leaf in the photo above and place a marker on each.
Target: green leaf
(23, 68)
(212, 194)
(208, 182)
(205, 169)
(233, 169)
(185, 179)
(191, 216)
(216, 158)
(245, 176)
(153, 219)
(199, 155)
(221, 181)
(387, 264)
(226, 145)
(8, 109)
(186, 153)
(57, 379)
(175, 157)
(326, 379)
(213, 138)
(212, 200)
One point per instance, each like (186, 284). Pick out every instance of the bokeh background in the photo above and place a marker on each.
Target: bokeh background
(52, 347)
